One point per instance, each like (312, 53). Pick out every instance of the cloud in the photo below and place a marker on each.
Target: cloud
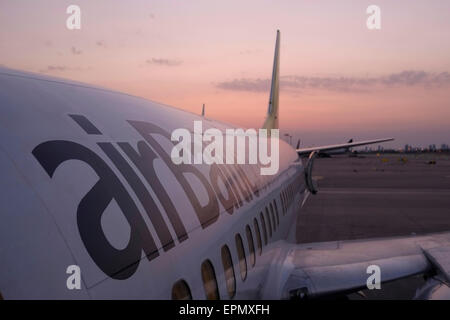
(62, 68)
(76, 51)
(53, 68)
(255, 85)
(411, 78)
(164, 62)
(408, 78)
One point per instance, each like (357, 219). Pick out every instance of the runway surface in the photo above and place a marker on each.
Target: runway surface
(378, 196)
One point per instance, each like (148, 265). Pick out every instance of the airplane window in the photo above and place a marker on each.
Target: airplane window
(241, 255)
(272, 221)
(263, 223)
(209, 281)
(268, 222)
(230, 279)
(276, 211)
(287, 199)
(258, 235)
(251, 245)
(181, 291)
(273, 217)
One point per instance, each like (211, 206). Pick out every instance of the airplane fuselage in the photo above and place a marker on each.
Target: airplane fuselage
(88, 181)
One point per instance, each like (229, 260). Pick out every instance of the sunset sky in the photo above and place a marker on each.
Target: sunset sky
(339, 80)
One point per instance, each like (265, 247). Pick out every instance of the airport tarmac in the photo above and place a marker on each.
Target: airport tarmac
(378, 196)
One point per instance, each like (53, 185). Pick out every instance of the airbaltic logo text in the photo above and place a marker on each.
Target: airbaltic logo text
(215, 147)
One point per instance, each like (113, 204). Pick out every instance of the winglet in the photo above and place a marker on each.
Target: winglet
(271, 121)
(203, 110)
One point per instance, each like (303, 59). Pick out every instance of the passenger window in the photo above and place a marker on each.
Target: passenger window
(241, 256)
(181, 291)
(258, 236)
(273, 217)
(209, 281)
(230, 279)
(263, 223)
(251, 245)
(269, 222)
(276, 211)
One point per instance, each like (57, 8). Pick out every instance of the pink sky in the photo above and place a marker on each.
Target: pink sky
(339, 79)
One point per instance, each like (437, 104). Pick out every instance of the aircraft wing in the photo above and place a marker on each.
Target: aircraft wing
(303, 151)
(317, 269)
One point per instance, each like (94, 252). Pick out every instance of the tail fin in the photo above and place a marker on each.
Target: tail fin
(271, 121)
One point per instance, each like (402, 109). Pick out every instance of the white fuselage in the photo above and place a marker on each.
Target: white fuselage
(87, 181)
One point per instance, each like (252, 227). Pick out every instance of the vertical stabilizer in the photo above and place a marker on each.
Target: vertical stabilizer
(271, 121)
